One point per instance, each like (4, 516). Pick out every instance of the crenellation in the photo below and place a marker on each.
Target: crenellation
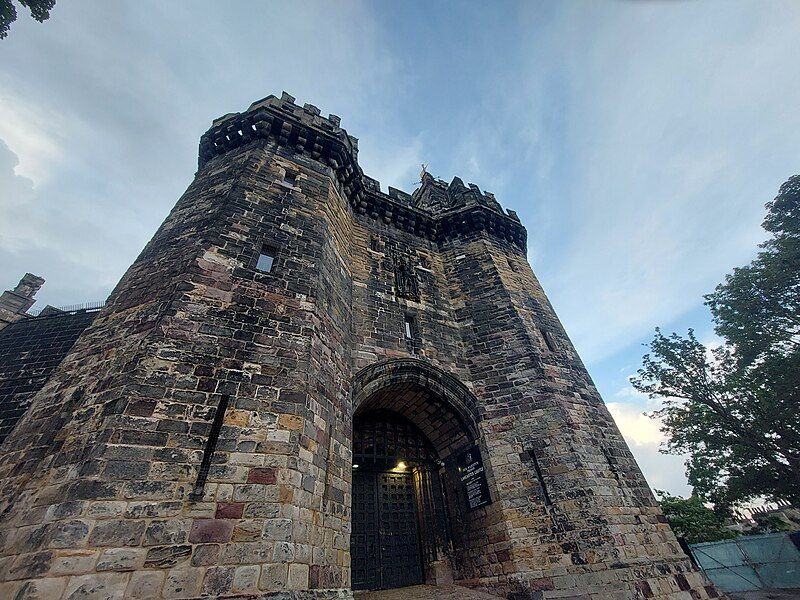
(313, 134)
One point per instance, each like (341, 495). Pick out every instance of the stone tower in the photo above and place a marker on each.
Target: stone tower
(304, 385)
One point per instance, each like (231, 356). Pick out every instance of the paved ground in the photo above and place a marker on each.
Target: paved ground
(767, 595)
(425, 592)
(429, 592)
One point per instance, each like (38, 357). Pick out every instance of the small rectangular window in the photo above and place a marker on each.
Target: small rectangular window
(410, 326)
(266, 259)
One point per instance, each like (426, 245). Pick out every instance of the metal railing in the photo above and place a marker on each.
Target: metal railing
(71, 308)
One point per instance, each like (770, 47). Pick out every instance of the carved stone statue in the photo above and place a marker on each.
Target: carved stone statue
(405, 279)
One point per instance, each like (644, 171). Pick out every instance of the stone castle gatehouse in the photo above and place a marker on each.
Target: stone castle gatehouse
(304, 386)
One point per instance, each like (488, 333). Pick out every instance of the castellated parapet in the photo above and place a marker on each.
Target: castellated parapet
(433, 211)
(304, 385)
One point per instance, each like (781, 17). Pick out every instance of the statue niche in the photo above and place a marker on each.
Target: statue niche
(405, 279)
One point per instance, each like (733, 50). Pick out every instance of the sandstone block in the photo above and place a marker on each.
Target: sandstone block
(121, 559)
(162, 532)
(298, 577)
(97, 586)
(145, 584)
(205, 554)
(210, 530)
(167, 556)
(263, 475)
(67, 534)
(47, 588)
(274, 577)
(183, 582)
(73, 562)
(218, 581)
(229, 510)
(245, 579)
(117, 533)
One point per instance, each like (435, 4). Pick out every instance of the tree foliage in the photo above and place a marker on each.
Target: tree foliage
(40, 10)
(735, 409)
(693, 520)
(757, 309)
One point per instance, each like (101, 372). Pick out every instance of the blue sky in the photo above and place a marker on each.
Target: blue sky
(637, 140)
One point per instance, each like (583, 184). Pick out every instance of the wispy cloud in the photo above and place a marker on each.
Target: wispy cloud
(35, 133)
(101, 109)
(680, 135)
(640, 142)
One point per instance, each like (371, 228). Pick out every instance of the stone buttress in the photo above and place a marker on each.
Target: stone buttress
(196, 440)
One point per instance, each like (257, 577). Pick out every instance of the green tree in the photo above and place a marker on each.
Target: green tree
(735, 409)
(757, 309)
(693, 520)
(40, 10)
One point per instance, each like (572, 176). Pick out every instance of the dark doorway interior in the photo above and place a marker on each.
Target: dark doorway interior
(395, 489)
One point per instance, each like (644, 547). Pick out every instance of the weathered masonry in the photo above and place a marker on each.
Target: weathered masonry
(304, 385)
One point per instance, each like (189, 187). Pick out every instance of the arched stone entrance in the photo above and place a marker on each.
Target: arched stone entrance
(411, 421)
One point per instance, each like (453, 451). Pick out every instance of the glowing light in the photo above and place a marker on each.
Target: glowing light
(401, 465)
(355, 466)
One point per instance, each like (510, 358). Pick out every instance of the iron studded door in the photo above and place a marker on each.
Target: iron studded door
(401, 563)
(364, 542)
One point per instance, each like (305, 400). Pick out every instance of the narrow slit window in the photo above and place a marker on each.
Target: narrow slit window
(612, 463)
(538, 470)
(410, 326)
(266, 260)
(208, 453)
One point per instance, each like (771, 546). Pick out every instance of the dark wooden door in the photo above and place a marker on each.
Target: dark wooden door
(401, 562)
(384, 543)
(365, 538)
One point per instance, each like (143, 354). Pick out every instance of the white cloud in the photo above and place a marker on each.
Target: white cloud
(644, 437)
(638, 428)
(16, 195)
(662, 471)
(33, 134)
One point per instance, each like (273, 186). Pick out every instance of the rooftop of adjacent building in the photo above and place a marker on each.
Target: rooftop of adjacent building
(33, 344)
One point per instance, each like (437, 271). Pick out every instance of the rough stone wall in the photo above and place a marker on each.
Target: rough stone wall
(30, 349)
(577, 514)
(379, 321)
(203, 367)
(107, 507)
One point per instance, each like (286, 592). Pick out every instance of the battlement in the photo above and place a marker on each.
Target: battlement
(286, 103)
(435, 209)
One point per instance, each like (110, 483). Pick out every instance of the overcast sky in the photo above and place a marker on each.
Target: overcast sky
(637, 140)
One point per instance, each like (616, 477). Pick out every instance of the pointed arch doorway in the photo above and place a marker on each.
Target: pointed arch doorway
(407, 424)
